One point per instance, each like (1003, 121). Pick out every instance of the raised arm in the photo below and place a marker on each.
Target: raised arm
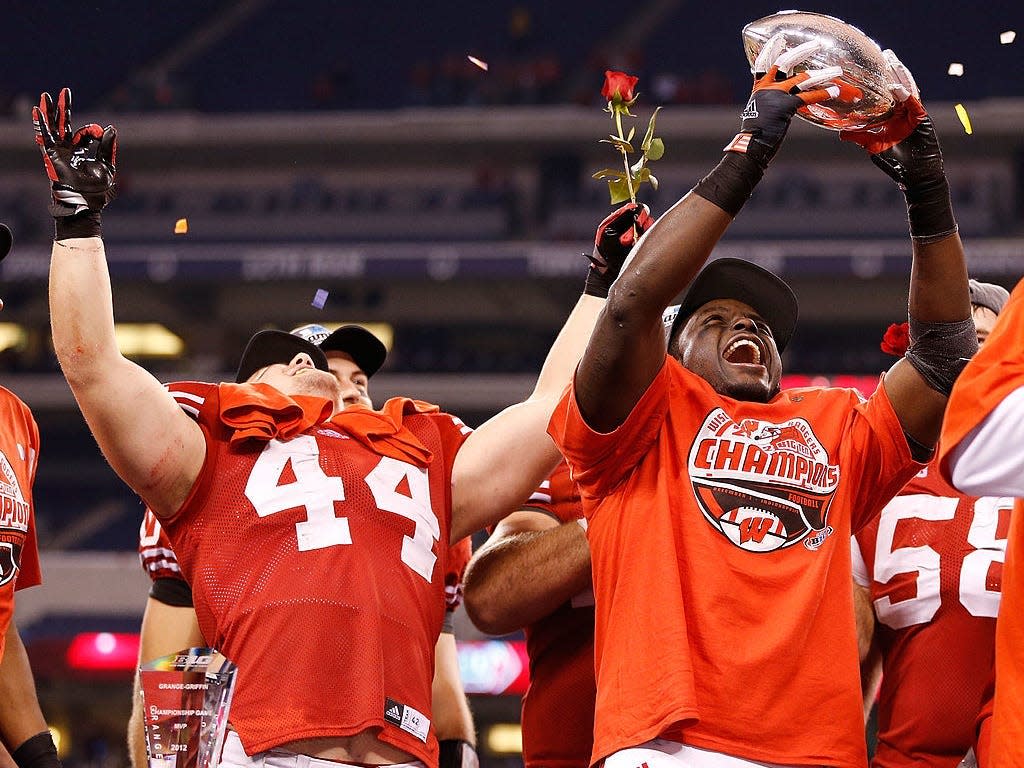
(942, 334)
(151, 444)
(504, 460)
(628, 346)
(529, 566)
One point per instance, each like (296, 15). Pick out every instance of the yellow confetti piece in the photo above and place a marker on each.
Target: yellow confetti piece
(1007, 37)
(964, 118)
(479, 62)
(181, 227)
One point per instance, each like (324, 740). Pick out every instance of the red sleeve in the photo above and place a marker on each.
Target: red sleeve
(155, 553)
(991, 375)
(558, 496)
(877, 444)
(458, 556)
(600, 461)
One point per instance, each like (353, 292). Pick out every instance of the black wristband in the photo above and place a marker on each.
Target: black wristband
(731, 182)
(930, 210)
(84, 224)
(37, 752)
(173, 592)
(598, 283)
(456, 753)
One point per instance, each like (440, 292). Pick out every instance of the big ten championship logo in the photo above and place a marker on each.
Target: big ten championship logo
(763, 485)
(14, 514)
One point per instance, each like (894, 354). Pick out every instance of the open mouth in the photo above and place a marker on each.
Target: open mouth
(743, 352)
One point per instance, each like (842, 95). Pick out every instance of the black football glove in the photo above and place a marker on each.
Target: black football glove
(777, 95)
(906, 147)
(81, 166)
(615, 237)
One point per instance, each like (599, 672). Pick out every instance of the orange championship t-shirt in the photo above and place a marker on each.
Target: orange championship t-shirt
(720, 537)
(995, 372)
(19, 454)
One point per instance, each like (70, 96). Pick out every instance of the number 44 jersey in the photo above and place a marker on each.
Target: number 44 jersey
(933, 562)
(315, 549)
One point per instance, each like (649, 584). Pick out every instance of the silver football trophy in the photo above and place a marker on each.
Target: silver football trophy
(867, 101)
(186, 698)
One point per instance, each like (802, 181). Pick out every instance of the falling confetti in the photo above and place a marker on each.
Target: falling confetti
(1007, 37)
(479, 62)
(320, 298)
(181, 227)
(955, 69)
(964, 118)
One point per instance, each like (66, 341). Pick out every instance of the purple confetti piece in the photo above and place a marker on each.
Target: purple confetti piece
(320, 298)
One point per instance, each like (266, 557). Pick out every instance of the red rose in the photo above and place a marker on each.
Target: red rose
(618, 86)
(896, 339)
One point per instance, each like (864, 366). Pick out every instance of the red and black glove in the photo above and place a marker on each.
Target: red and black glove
(81, 166)
(906, 147)
(775, 98)
(614, 239)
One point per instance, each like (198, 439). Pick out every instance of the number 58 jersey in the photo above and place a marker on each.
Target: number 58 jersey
(316, 554)
(933, 563)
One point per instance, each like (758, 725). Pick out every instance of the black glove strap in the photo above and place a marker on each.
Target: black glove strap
(456, 753)
(84, 224)
(598, 282)
(930, 211)
(37, 752)
(731, 182)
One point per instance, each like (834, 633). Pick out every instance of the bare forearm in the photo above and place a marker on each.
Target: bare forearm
(938, 282)
(20, 716)
(525, 577)
(452, 716)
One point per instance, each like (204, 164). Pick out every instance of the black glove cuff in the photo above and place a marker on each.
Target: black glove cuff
(598, 283)
(731, 182)
(456, 753)
(930, 210)
(84, 224)
(37, 752)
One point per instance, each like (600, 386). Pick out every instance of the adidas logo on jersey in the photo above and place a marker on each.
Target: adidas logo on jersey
(393, 713)
(750, 111)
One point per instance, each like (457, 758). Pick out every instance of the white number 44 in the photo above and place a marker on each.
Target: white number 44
(317, 492)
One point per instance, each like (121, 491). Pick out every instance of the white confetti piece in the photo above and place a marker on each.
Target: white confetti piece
(320, 298)
(479, 62)
(955, 69)
(1007, 37)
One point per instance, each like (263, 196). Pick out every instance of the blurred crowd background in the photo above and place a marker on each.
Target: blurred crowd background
(354, 148)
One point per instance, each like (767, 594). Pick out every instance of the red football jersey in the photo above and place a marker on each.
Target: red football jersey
(313, 560)
(558, 706)
(456, 561)
(19, 454)
(719, 534)
(155, 551)
(936, 559)
(996, 372)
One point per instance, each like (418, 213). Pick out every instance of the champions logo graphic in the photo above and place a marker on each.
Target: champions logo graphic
(764, 486)
(14, 513)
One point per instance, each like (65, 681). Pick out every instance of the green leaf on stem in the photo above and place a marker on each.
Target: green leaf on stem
(645, 145)
(619, 190)
(609, 173)
(621, 144)
(657, 150)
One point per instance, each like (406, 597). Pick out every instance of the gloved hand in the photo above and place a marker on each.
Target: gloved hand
(615, 237)
(81, 165)
(906, 147)
(777, 95)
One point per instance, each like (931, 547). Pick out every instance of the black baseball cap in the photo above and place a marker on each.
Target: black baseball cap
(6, 241)
(363, 347)
(269, 347)
(764, 291)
